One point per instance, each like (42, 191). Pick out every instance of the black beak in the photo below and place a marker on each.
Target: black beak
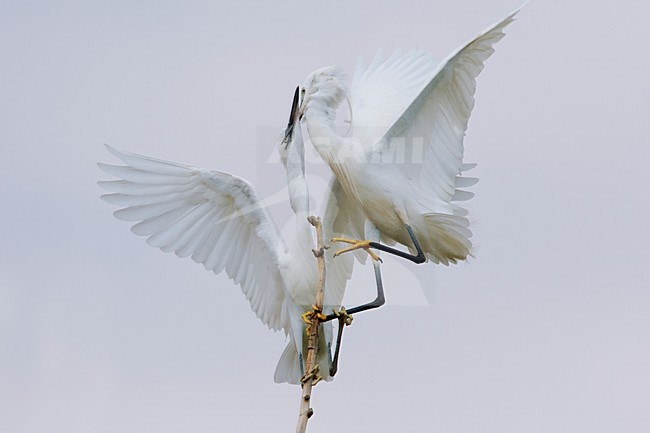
(292, 117)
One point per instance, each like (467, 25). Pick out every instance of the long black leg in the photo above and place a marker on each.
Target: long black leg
(334, 366)
(345, 317)
(378, 302)
(420, 258)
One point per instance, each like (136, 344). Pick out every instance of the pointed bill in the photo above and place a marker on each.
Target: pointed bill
(292, 117)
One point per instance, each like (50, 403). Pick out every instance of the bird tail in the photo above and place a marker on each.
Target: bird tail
(289, 368)
(448, 238)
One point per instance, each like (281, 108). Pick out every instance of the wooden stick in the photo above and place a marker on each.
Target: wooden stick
(312, 346)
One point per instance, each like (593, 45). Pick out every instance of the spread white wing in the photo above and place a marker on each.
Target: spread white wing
(382, 90)
(216, 218)
(436, 115)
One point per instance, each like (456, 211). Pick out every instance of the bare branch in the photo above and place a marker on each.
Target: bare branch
(311, 368)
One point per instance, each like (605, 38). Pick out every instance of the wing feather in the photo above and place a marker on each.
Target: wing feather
(214, 217)
(440, 113)
(381, 91)
(126, 187)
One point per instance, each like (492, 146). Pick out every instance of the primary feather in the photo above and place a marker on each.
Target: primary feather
(213, 216)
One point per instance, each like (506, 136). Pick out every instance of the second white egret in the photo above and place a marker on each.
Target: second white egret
(402, 163)
(218, 220)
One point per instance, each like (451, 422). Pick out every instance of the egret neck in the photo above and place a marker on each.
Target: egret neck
(338, 152)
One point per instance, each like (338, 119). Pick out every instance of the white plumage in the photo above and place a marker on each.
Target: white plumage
(218, 220)
(400, 168)
(402, 163)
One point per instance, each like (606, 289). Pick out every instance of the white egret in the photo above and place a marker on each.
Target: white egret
(219, 221)
(408, 106)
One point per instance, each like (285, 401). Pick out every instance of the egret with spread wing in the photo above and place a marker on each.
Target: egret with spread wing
(408, 106)
(218, 220)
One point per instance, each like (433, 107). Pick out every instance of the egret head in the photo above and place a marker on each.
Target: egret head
(324, 85)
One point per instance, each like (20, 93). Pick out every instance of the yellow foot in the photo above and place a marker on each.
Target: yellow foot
(343, 316)
(313, 374)
(356, 244)
(307, 315)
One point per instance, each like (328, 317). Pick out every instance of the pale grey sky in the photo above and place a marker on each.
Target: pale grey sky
(545, 331)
